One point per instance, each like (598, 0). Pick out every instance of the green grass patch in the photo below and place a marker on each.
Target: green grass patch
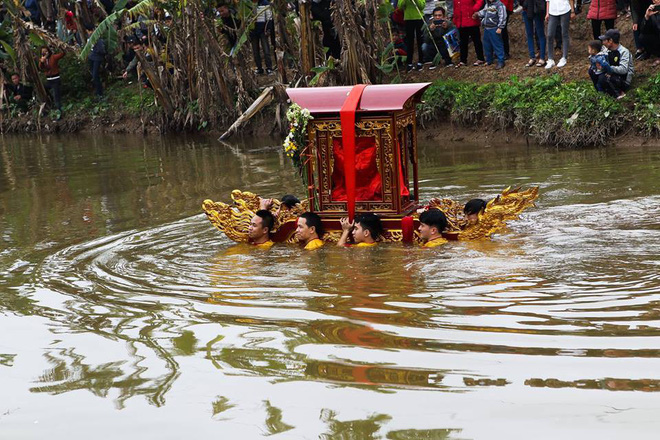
(548, 110)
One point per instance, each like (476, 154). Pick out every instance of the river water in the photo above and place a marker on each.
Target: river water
(124, 313)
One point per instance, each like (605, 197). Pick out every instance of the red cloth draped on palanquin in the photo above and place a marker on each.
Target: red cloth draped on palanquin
(368, 182)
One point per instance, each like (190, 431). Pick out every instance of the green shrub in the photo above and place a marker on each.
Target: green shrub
(550, 111)
(471, 103)
(438, 100)
(76, 79)
(646, 115)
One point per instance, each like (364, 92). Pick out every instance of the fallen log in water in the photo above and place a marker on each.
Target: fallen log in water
(262, 101)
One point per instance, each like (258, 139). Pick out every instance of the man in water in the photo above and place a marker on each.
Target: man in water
(310, 231)
(260, 228)
(366, 230)
(431, 225)
(472, 209)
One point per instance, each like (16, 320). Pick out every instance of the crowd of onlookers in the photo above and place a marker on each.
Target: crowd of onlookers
(443, 30)
(426, 34)
(73, 22)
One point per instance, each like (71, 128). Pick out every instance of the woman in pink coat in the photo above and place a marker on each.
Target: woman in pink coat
(601, 11)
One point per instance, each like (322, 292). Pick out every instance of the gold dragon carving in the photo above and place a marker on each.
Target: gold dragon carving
(506, 206)
(234, 219)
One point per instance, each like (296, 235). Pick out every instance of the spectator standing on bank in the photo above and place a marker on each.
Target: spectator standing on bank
(413, 20)
(508, 4)
(533, 15)
(493, 19)
(35, 14)
(49, 64)
(558, 12)
(321, 11)
(637, 11)
(650, 37)
(601, 11)
(258, 37)
(462, 12)
(95, 61)
(230, 24)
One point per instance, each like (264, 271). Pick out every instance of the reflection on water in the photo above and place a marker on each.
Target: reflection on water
(116, 290)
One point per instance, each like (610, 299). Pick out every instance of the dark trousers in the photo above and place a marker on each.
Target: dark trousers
(331, 39)
(608, 83)
(270, 27)
(261, 39)
(465, 34)
(650, 43)
(95, 68)
(534, 26)
(429, 50)
(638, 40)
(55, 88)
(596, 26)
(413, 30)
(493, 44)
(505, 34)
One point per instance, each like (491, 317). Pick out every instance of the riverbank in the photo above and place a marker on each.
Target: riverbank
(545, 110)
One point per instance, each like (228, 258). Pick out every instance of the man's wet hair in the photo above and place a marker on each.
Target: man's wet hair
(596, 45)
(439, 8)
(289, 200)
(267, 219)
(474, 206)
(434, 217)
(313, 219)
(372, 223)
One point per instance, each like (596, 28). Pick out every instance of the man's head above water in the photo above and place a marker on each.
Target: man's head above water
(309, 227)
(368, 228)
(261, 226)
(431, 224)
(473, 208)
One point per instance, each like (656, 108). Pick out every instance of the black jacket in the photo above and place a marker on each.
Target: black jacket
(534, 7)
(24, 91)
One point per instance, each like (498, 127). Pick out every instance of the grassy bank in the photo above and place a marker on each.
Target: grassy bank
(551, 112)
(548, 109)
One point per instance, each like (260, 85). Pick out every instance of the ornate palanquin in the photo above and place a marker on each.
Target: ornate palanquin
(361, 156)
(385, 153)
(386, 149)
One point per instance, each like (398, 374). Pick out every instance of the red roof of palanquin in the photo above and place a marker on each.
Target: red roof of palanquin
(375, 98)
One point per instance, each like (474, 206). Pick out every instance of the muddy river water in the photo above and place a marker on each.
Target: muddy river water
(124, 314)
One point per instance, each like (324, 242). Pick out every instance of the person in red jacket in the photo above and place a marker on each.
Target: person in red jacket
(461, 11)
(601, 11)
(49, 64)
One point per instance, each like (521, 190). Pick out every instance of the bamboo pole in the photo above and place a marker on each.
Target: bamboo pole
(262, 101)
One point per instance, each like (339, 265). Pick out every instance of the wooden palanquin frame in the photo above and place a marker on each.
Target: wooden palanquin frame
(385, 112)
(386, 129)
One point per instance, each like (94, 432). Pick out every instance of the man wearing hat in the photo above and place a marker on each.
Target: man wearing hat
(618, 76)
